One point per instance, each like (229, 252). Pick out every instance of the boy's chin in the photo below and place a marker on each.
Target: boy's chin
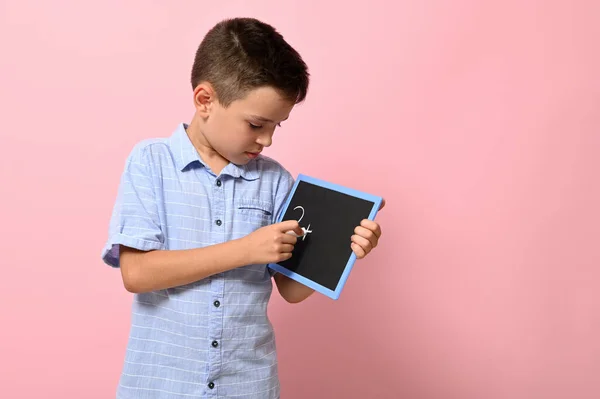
(240, 161)
(237, 159)
(245, 158)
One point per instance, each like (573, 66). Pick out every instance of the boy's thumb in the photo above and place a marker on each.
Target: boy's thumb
(292, 225)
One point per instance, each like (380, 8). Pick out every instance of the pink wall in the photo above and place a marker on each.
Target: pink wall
(478, 123)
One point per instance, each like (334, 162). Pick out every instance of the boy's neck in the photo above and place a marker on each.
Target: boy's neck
(209, 156)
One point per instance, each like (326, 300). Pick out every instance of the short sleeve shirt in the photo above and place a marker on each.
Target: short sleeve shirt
(211, 338)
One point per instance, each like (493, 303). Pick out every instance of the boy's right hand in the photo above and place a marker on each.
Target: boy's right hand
(271, 244)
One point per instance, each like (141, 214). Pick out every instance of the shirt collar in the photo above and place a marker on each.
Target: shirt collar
(186, 154)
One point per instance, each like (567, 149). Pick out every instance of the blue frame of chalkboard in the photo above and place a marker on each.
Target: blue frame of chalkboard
(333, 294)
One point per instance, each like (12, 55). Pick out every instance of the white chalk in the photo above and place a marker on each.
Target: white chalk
(304, 230)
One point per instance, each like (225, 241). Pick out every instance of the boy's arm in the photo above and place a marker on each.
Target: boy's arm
(145, 271)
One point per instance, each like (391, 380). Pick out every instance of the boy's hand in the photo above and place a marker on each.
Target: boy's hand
(271, 244)
(366, 236)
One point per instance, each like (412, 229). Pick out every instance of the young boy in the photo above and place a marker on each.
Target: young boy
(193, 227)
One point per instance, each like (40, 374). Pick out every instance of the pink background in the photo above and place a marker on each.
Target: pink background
(478, 121)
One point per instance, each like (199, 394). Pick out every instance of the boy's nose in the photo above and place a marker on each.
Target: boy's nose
(265, 140)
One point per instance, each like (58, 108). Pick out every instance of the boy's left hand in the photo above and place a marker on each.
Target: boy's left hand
(366, 236)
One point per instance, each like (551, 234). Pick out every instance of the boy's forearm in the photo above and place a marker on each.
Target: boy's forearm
(291, 290)
(161, 269)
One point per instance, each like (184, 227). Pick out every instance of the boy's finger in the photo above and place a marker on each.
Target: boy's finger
(289, 239)
(288, 225)
(368, 234)
(287, 248)
(362, 242)
(360, 253)
(382, 204)
(294, 228)
(371, 225)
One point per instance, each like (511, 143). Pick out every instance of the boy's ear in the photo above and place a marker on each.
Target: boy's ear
(204, 98)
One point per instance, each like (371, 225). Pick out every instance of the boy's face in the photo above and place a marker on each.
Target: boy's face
(239, 132)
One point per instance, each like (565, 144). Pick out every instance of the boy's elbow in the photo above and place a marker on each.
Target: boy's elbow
(130, 280)
(294, 299)
(130, 272)
(290, 290)
(295, 296)
(132, 287)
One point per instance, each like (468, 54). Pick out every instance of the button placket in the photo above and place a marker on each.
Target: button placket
(217, 286)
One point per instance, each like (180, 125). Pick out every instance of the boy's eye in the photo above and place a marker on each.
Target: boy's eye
(253, 126)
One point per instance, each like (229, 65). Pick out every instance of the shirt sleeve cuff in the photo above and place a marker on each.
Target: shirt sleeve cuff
(110, 253)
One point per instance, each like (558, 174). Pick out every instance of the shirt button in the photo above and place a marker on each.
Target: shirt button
(218, 222)
(215, 344)
(218, 183)
(211, 385)
(217, 304)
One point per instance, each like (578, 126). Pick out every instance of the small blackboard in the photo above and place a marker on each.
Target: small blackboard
(328, 214)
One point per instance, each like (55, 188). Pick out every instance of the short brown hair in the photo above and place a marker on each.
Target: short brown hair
(241, 54)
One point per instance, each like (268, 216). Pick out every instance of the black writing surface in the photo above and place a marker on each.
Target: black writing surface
(329, 218)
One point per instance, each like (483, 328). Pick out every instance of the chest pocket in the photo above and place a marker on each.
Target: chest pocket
(255, 211)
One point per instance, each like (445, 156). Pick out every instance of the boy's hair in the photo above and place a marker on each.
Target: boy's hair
(241, 54)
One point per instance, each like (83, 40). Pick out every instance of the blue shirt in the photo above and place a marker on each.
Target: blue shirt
(211, 338)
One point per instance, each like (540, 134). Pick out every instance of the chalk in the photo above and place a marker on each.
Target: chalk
(304, 230)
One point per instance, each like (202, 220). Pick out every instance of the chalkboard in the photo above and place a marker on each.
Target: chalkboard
(328, 213)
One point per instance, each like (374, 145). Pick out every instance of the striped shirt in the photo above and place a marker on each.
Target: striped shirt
(211, 338)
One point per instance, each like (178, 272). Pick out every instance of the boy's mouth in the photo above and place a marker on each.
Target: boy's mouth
(252, 155)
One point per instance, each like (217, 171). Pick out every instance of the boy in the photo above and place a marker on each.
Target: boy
(193, 227)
